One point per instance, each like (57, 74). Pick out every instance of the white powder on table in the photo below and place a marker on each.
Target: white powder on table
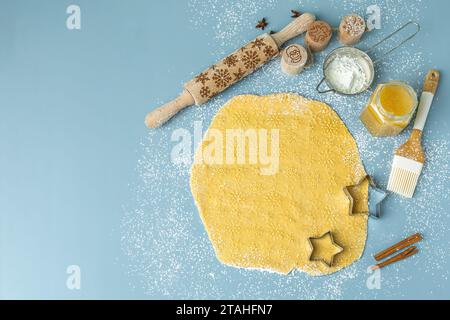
(346, 74)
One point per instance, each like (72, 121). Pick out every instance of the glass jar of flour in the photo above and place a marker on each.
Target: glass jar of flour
(390, 109)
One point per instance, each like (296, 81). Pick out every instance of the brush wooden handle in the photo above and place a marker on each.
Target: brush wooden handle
(229, 71)
(429, 90)
(412, 149)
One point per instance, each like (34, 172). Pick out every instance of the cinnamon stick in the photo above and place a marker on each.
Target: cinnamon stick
(400, 257)
(398, 247)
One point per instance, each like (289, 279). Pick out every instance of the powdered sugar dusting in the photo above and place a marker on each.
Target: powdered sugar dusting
(230, 18)
(168, 251)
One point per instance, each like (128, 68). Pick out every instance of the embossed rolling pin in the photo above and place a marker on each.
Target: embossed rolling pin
(230, 70)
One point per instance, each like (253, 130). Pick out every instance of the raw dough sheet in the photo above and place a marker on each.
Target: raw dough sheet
(263, 219)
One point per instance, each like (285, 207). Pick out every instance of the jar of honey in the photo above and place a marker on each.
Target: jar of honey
(390, 109)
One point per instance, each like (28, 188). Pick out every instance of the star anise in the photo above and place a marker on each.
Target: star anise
(262, 24)
(295, 14)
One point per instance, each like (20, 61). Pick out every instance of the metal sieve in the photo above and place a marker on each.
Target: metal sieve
(367, 65)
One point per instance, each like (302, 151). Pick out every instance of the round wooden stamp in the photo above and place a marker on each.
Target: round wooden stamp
(294, 59)
(351, 29)
(318, 36)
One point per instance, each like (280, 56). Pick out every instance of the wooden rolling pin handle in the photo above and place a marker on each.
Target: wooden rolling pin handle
(294, 29)
(158, 117)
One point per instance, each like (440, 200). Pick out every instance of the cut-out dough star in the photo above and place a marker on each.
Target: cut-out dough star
(324, 249)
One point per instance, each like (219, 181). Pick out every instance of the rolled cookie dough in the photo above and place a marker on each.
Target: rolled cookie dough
(263, 219)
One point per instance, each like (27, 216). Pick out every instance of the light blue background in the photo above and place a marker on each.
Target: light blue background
(83, 182)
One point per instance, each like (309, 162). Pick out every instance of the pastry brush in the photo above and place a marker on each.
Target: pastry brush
(410, 157)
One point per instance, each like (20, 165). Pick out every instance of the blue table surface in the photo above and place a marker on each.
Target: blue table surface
(83, 182)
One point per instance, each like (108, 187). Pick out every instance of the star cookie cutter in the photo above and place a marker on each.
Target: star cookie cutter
(330, 263)
(376, 198)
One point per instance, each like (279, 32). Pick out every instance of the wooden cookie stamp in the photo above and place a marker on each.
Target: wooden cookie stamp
(351, 29)
(294, 59)
(318, 36)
